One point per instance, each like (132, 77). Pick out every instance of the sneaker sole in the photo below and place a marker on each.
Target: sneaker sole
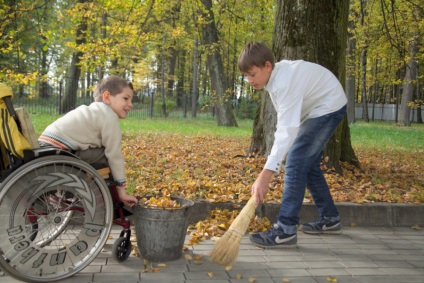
(337, 232)
(291, 246)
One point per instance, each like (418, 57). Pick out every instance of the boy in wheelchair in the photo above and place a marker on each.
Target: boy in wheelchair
(93, 133)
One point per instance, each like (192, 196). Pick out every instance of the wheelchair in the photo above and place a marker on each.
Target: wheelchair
(56, 211)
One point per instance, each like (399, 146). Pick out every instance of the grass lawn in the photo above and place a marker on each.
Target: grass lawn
(381, 135)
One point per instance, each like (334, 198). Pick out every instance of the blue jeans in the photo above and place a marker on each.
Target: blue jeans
(303, 170)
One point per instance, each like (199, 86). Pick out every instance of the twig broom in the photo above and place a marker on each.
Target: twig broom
(226, 249)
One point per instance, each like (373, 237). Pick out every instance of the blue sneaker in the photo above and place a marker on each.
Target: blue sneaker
(274, 238)
(321, 226)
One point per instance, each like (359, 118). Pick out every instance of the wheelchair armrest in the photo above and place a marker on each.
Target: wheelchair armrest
(32, 154)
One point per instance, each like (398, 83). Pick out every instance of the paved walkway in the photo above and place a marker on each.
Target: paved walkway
(360, 254)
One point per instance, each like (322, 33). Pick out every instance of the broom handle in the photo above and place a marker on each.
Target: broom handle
(245, 212)
(250, 202)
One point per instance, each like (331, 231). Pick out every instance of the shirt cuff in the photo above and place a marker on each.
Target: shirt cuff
(273, 165)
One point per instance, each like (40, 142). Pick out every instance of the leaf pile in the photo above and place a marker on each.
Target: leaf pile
(214, 169)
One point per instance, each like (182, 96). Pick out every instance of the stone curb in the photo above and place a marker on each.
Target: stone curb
(366, 215)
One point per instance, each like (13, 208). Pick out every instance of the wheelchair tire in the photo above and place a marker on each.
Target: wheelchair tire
(121, 249)
(56, 214)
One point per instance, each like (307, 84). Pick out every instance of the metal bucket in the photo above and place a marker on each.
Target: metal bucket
(161, 231)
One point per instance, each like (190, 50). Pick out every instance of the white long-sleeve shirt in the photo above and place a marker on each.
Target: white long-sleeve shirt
(93, 126)
(299, 90)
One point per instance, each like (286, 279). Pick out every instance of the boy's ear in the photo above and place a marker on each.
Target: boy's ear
(106, 97)
(268, 65)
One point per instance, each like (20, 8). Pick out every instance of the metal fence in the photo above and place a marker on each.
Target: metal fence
(384, 112)
(52, 106)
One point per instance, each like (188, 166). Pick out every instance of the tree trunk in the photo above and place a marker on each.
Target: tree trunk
(314, 31)
(224, 110)
(364, 99)
(350, 81)
(181, 78)
(71, 88)
(408, 87)
(195, 90)
(44, 93)
(265, 122)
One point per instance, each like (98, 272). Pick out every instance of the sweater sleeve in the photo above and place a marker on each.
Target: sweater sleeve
(288, 123)
(111, 136)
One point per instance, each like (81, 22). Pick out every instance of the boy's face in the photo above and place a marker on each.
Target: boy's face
(120, 103)
(258, 76)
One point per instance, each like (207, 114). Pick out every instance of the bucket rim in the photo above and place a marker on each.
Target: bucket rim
(189, 203)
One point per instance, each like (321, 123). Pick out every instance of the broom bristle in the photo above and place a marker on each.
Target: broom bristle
(226, 249)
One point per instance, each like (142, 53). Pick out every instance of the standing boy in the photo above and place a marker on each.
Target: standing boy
(310, 103)
(93, 132)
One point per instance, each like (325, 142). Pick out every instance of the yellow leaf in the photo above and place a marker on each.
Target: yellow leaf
(238, 276)
(285, 280)
(251, 280)
(331, 279)
(210, 274)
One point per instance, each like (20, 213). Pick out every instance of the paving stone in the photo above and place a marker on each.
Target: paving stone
(359, 255)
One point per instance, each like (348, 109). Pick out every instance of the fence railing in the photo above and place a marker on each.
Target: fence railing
(384, 112)
(51, 106)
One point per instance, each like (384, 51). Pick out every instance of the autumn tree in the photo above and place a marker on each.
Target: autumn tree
(224, 112)
(315, 31)
(74, 72)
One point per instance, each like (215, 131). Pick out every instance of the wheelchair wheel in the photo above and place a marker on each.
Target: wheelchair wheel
(121, 249)
(56, 213)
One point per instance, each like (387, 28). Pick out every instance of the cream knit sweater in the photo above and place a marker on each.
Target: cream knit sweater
(85, 127)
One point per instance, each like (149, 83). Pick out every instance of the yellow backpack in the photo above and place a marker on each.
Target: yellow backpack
(11, 137)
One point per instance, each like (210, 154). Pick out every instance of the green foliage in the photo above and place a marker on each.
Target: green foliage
(169, 104)
(247, 109)
(130, 38)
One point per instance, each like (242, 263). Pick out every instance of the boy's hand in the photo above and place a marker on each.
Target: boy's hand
(261, 186)
(125, 198)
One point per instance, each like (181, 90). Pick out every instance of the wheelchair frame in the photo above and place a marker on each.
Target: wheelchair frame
(56, 212)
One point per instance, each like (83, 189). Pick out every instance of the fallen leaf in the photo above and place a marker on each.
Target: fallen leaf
(331, 279)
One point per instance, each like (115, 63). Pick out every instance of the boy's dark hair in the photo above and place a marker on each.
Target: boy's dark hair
(112, 84)
(254, 54)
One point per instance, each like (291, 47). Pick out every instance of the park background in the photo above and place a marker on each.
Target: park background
(54, 52)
